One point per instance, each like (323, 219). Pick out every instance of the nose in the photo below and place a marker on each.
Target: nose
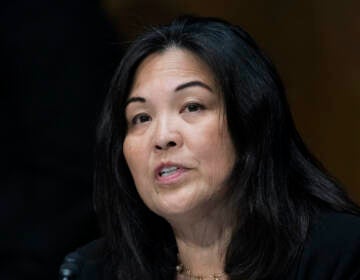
(167, 135)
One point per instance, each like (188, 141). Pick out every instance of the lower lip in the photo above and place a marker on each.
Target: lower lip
(173, 178)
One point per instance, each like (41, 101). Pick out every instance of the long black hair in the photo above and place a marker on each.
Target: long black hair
(277, 186)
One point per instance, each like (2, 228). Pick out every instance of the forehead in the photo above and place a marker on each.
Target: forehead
(170, 68)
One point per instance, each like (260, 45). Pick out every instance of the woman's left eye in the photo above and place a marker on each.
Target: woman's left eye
(193, 107)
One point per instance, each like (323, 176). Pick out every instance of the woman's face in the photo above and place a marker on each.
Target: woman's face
(177, 145)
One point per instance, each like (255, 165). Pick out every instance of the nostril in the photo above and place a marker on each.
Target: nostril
(168, 145)
(171, 144)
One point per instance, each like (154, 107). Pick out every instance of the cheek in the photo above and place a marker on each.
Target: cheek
(134, 154)
(212, 139)
(215, 149)
(135, 157)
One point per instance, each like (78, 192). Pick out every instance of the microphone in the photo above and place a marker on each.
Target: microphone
(71, 267)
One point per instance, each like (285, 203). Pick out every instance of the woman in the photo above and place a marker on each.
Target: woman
(201, 173)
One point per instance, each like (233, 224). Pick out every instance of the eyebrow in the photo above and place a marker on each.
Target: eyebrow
(178, 88)
(193, 84)
(134, 99)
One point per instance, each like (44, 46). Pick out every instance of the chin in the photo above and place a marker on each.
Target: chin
(170, 207)
(179, 209)
(173, 209)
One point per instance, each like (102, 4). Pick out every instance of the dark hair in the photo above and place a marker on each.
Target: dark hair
(277, 186)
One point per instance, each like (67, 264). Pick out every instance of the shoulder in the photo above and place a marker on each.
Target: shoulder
(87, 262)
(332, 250)
(335, 232)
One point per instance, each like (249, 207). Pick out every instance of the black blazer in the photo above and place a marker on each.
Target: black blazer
(331, 252)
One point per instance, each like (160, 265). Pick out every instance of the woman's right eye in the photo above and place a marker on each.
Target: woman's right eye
(140, 118)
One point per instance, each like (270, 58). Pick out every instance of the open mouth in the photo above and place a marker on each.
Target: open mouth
(167, 171)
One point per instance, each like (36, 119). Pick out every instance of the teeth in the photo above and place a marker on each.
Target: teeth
(166, 171)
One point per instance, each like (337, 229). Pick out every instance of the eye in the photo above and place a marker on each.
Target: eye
(140, 118)
(192, 107)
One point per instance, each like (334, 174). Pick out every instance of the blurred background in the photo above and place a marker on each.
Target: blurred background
(57, 58)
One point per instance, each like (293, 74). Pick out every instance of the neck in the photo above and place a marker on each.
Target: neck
(202, 242)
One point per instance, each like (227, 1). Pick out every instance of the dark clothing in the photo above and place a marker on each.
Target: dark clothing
(332, 251)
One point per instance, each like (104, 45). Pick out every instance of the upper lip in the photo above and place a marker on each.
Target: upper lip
(168, 164)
